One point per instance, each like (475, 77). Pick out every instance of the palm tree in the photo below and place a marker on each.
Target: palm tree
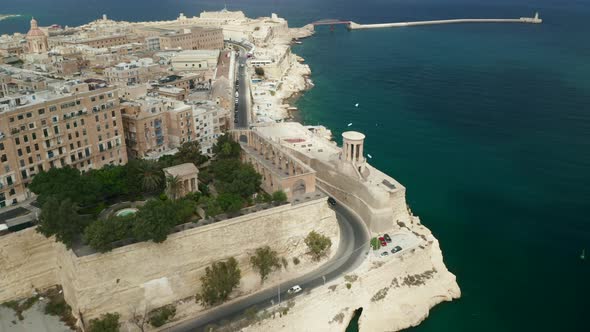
(151, 176)
(173, 186)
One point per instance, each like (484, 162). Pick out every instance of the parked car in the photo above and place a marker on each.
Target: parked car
(387, 238)
(385, 253)
(382, 240)
(396, 249)
(295, 289)
(331, 201)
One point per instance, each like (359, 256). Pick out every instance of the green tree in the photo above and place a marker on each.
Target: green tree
(235, 177)
(100, 234)
(65, 183)
(226, 147)
(279, 196)
(190, 152)
(110, 179)
(220, 279)
(265, 260)
(150, 176)
(161, 316)
(155, 220)
(173, 186)
(318, 244)
(61, 220)
(230, 202)
(106, 323)
(185, 209)
(259, 71)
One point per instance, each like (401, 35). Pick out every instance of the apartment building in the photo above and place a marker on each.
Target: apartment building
(72, 124)
(155, 125)
(194, 38)
(210, 122)
(132, 72)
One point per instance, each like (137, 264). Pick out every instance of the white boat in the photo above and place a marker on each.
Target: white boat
(370, 157)
(350, 124)
(356, 105)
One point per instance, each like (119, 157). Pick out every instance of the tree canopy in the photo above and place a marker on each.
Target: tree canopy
(102, 233)
(60, 219)
(220, 279)
(265, 260)
(156, 218)
(318, 244)
(234, 177)
(226, 147)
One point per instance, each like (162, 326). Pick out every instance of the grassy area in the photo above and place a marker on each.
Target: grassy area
(375, 244)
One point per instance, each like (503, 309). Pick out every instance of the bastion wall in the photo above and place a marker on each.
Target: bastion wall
(378, 208)
(149, 274)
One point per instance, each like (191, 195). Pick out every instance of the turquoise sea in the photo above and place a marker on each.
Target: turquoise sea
(487, 125)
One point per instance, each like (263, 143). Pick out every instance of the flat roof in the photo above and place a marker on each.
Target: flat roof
(181, 170)
(353, 135)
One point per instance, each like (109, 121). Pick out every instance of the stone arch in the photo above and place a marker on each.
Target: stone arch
(244, 138)
(298, 188)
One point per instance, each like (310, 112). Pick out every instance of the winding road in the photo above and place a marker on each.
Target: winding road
(352, 250)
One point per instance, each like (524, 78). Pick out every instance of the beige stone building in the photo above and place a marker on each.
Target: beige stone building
(280, 170)
(74, 124)
(36, 39)
(187, 177)
(198, 60)
(194, 38)
(134, 72)
(155, 125)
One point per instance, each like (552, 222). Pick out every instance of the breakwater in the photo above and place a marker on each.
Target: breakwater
(530, 20)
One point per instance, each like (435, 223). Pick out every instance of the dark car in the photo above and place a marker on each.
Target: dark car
(396, 249)
(331, 201)
(387, 238)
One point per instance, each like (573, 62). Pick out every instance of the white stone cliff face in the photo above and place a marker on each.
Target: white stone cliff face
(410, 282)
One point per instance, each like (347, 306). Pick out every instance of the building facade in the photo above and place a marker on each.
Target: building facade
(78, 125)
(194, 38)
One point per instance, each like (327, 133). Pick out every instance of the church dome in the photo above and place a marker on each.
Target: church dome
(35, 31)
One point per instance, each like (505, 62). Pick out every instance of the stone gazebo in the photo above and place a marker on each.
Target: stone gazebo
(187, 175)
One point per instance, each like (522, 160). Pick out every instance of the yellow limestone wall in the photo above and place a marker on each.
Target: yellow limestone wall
(153, 274)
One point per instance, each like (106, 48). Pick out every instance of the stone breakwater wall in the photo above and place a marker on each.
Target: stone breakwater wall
(149, 274)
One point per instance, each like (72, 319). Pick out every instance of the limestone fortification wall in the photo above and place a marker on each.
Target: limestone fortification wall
(378, 208)
(27, 262)
(149, 274)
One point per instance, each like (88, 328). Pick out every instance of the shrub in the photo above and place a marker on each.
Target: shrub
(295, 260)
(348, 285)
(318, 244)
(375, 243)
(285, 262)
(265, 260)
(259, 71)
(279, 196)
(106, 323)
(219, 281)
(161, 316)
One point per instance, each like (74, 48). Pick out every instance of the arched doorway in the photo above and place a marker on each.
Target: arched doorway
(298, 188)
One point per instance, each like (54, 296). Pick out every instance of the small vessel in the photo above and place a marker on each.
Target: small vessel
(583, 255)
(370, 157)
(356, 105)
(350, 124)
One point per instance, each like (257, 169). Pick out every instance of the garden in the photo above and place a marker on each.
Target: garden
(117, 205)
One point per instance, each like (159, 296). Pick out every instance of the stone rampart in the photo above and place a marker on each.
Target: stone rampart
(149, 274)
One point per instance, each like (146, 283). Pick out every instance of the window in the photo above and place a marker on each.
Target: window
(19, 152)
(1, 146)
(32, 125)
(41, 111)
(20, 117)
(29, 115)
(34, 135)
(11, 119)
(3, 158)
(52, 108)
(17, 140)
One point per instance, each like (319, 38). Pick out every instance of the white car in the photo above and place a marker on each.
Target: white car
(295, 289)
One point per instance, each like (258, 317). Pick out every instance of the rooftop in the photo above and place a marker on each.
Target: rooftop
(181, 170)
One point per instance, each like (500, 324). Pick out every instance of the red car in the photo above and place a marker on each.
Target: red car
(382, 240)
